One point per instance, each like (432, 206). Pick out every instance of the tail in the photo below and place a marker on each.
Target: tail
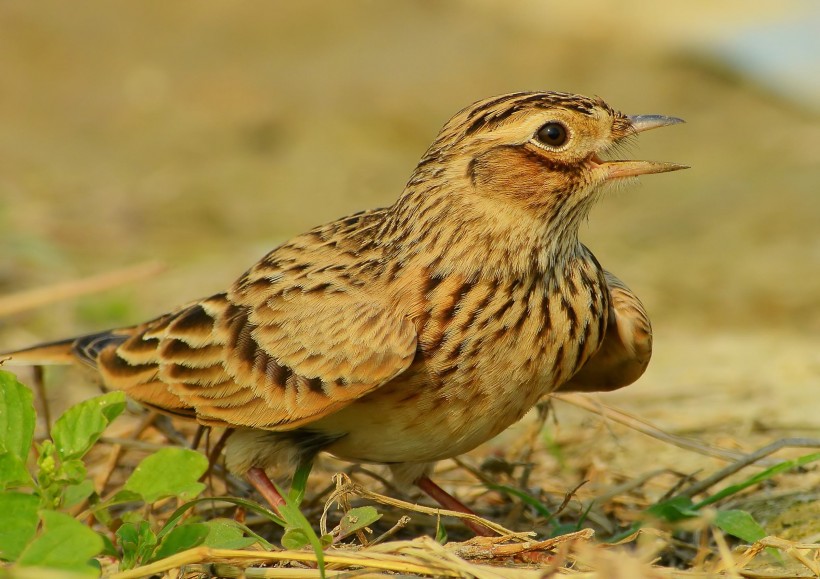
(137, 376)
(84, 350)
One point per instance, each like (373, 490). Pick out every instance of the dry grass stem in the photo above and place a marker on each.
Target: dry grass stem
(39, 297)
(748, 459)
(346, 487)
(727, 560)
(421, 557)
(631, 421)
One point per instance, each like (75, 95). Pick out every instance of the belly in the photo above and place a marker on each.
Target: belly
(474, 375)
(487, 351)
(423, 425)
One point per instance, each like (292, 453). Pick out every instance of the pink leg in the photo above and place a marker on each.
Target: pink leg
(451, 503)
(261, 482)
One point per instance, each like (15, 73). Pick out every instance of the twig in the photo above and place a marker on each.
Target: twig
(629, 485)
(531, 439)
(166, 427)
(645, 427)
(490, 548)
(748, 459)
(201, 431)
(476, 472)
(38, 380)
(349, 487)
(133, 444)
(374, 561)
(400, 524)
(567, 498)
(35, 298)
(116, 453)
(728, 562)
(231, 572)
(357, 468)
(314, 500)
(795, 550)
(213, 453)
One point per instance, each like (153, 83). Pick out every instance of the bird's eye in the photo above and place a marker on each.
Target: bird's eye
(552, 134)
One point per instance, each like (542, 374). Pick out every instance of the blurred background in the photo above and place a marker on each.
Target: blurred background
(202, 134)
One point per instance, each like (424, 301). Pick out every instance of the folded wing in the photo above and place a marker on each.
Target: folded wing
(300, 335)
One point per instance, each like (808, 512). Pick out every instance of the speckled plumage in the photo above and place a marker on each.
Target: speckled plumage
(412, 333)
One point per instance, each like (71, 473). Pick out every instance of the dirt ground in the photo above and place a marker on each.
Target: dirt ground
(202, 134)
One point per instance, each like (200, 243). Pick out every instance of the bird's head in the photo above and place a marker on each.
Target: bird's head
(524, 167)
(539, 150)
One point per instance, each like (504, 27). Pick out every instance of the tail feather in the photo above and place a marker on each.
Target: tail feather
(52, 353)
(99, 352)
(84, 349)
(87, 349)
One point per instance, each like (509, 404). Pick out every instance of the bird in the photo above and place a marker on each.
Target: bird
(413, 333)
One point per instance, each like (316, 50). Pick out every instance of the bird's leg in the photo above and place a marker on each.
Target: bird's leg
(451, 503)
(261, 482)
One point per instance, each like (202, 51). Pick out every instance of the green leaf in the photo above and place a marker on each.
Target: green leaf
(441, 533)
(77, 493)
(739, 524)
(673, 510)
(176, 516)
(64, 544)
(760, 477)
(101, 509)
(616, 537)
(297, 521)
(295, 539)
(119, 498)
(13, 472)
(299, 483)
(170, 472)
(19, 523)
(16, 416)
(356, 519)
(109, 550)
(76, 431)
(183, 537)
(137, 542)
(72, 471)
(228, 534)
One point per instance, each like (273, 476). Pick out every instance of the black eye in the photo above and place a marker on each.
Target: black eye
(552, 134)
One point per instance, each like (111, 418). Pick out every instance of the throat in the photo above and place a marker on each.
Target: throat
(480, 238)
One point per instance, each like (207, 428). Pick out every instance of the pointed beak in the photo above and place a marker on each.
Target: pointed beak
(641, 123)
(619, 169)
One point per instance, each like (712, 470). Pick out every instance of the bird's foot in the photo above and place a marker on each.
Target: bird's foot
(451, 503)
(260, 481)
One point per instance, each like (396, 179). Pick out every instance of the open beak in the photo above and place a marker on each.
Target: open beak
(641, 123)
(620, 169)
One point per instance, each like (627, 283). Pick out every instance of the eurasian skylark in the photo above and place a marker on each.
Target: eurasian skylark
(413, 333)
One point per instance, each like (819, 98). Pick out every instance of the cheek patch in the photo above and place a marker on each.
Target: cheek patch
(521, 176)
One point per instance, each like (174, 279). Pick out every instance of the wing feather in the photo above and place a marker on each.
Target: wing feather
(626, 349)
(297, 337)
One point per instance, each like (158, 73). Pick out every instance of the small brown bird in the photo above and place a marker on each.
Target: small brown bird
(413, 333)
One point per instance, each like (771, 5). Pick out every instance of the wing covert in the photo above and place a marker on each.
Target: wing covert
(298, 336)
(626, 349)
